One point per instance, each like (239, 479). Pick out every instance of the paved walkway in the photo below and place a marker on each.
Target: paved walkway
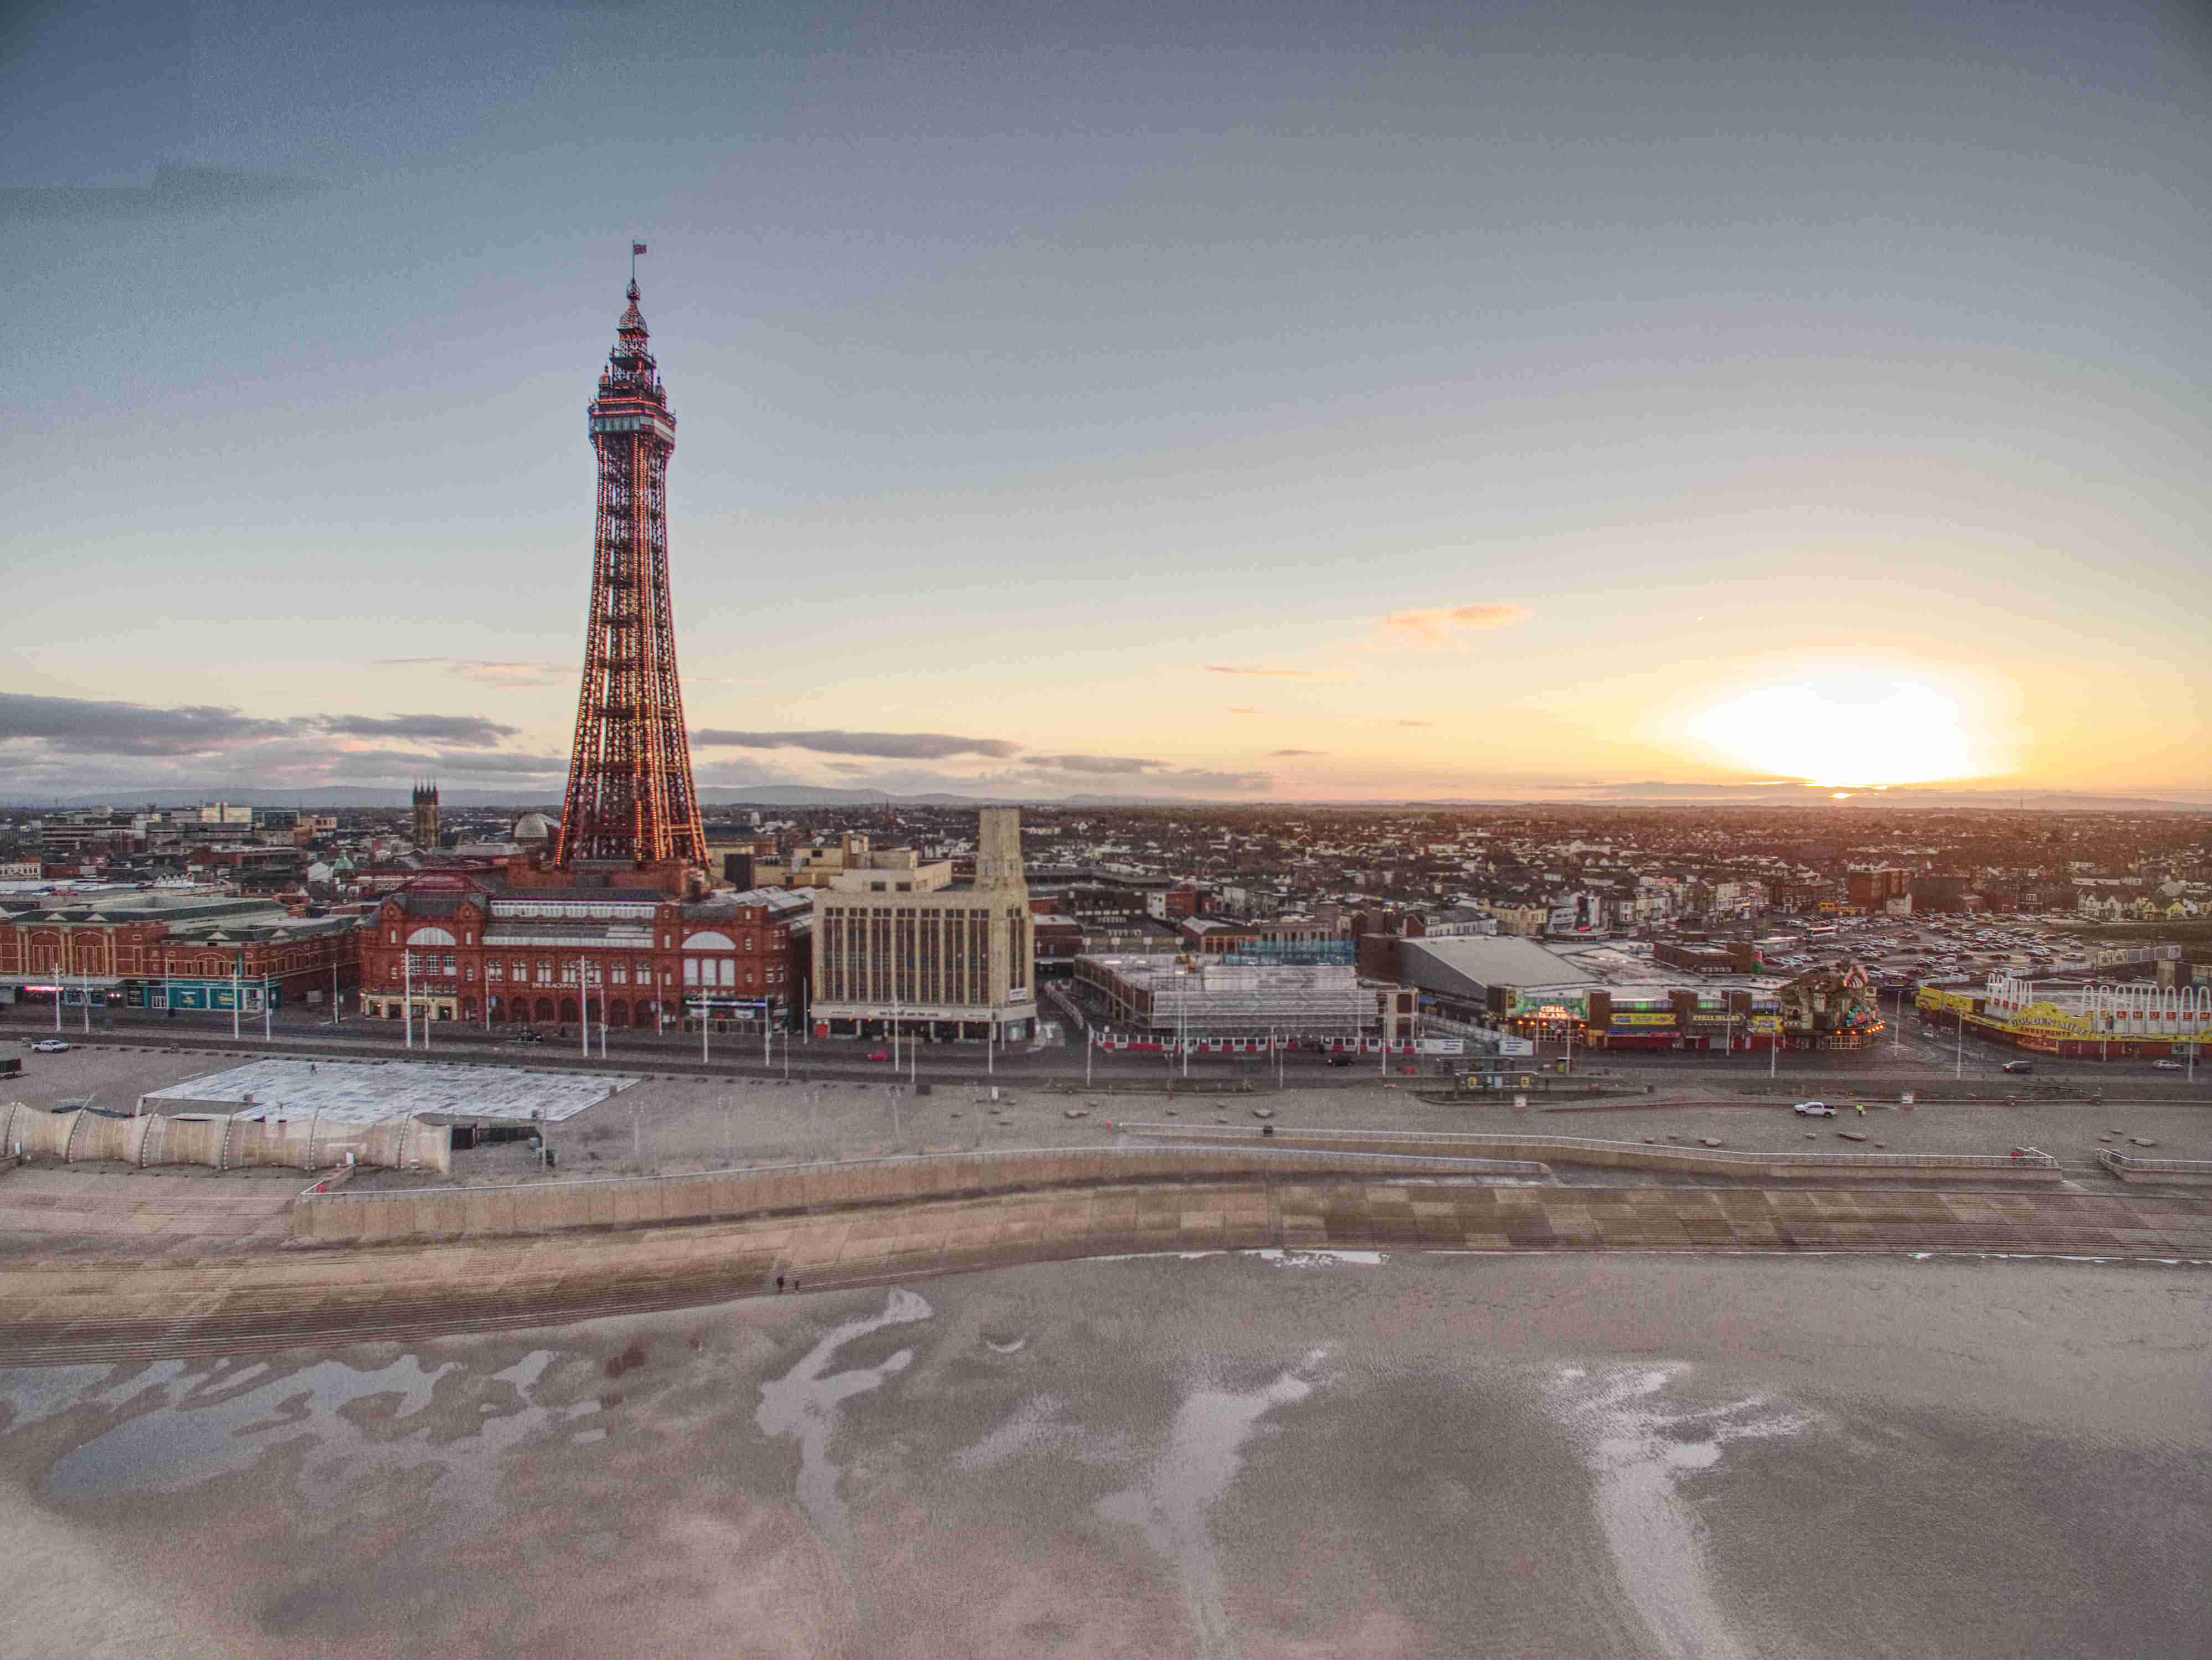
(61, 1309)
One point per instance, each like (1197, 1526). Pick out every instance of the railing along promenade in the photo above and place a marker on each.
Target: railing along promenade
(607, 1202)
(2024, 1166)
(2133, 1168)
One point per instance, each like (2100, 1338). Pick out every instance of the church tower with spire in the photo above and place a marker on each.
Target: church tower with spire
(426, 815)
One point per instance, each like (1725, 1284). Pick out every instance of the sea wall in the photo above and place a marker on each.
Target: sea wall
(2034, 1169)
(645, 1201)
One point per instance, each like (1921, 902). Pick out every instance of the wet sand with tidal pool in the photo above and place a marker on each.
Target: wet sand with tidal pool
(1253, 1454)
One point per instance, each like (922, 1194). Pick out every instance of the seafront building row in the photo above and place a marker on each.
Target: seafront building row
(2152, 1021)
(959, 949)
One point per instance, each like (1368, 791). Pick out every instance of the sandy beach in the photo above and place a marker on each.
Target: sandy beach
(1240, 1454)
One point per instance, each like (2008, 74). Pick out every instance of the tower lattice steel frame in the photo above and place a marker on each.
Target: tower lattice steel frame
(630, 795)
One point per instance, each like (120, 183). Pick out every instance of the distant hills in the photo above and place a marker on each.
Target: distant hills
(1650, 794)
(125, 798)
(766, 795)
(1907, 795)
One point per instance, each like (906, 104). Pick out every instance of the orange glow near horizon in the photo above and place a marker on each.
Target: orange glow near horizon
(1848, 728)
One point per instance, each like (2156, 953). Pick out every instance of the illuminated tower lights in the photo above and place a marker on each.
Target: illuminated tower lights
(630, 794)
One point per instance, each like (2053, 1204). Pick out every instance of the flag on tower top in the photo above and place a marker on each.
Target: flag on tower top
(637, 247)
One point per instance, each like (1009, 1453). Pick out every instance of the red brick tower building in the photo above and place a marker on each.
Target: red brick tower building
(620, 929)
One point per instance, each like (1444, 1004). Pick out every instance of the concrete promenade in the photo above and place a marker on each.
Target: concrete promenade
(1875, 1072)
(381, 1216)
(125, 1306)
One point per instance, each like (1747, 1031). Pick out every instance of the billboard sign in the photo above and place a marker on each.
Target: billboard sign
(727, 1005)
(1442, 1045)
(208, 996)
(1517, 1045)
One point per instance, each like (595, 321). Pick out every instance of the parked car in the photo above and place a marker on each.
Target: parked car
(2162, 1066)
(2020, 1066)
(1814, 1110)
(880, 1054)
(50, 1046)
(529, 1034)
(1338, 1057)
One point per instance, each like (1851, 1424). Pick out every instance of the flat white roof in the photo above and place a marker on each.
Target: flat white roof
(371, 1091)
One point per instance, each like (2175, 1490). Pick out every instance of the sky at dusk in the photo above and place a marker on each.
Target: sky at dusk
(1280, 402)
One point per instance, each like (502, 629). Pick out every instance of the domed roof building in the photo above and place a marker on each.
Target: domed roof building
(532, 831)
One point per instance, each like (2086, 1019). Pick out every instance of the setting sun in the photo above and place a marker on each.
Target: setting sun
(1847, 727)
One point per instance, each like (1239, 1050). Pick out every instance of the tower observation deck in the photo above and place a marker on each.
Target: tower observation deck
(630, 795)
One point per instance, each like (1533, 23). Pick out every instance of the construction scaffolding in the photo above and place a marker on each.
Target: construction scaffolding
(1191, 999)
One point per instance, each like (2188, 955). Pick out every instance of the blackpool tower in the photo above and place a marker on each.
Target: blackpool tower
(630, 795)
